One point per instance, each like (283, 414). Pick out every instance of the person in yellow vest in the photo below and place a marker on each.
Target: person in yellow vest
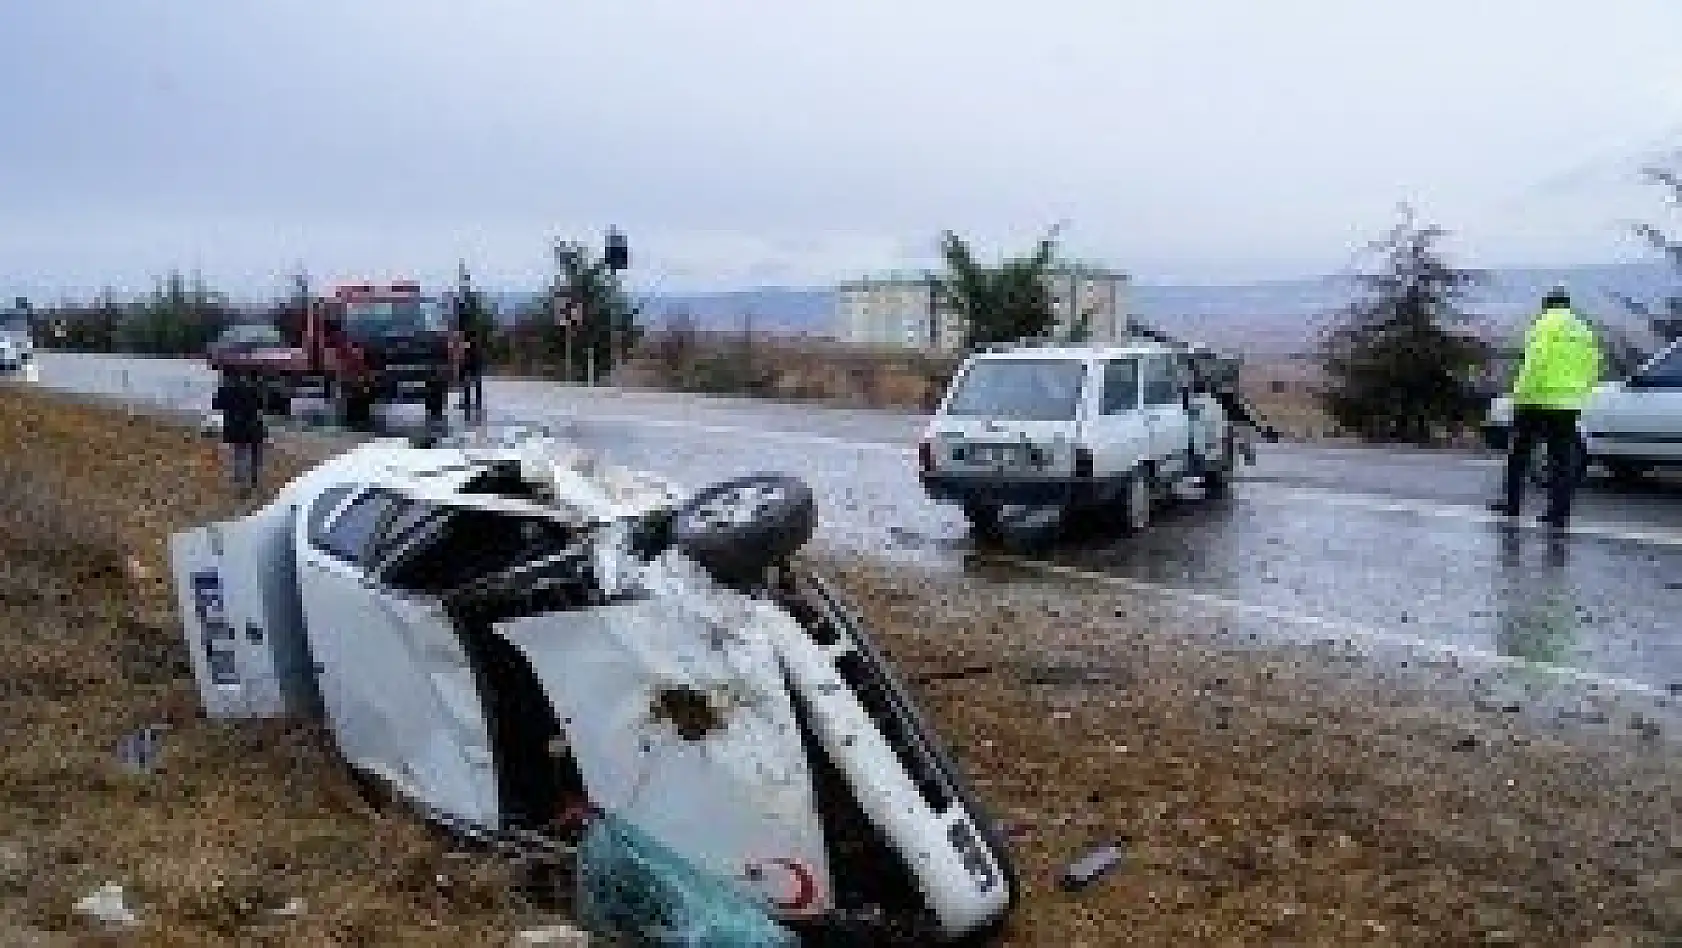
(1562, 363)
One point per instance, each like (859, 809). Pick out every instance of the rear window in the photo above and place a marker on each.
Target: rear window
(1023, 389)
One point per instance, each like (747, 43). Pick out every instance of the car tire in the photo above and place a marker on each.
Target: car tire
(739, 528)
(1217, 483)
(1625, 472)
(1136, 502)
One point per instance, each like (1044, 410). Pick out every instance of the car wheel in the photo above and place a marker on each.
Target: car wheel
(1218, 482)
(739, 528)
(1625, 472)
(1136, 501)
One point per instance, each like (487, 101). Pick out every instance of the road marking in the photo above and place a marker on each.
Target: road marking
(1343, 627)
(1460, 512)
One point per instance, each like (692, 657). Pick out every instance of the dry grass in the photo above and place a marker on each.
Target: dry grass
(1269, 798)
(239, 819)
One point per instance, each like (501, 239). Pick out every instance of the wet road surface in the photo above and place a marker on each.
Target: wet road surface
(1360, 544)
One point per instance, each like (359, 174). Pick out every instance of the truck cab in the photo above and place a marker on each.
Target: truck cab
(388, 343)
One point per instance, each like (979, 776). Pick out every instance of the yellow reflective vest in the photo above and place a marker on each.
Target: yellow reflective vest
(1561, 362)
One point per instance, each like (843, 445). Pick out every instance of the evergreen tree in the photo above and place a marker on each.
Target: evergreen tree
(1400, 364)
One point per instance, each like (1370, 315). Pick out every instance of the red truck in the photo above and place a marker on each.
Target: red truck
(362, 345)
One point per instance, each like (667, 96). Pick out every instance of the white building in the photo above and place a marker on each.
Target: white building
(905, 311)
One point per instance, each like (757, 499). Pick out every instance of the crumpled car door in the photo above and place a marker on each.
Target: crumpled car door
(398, 690)
(678, 716)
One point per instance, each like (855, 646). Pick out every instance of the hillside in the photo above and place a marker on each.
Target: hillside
(1270, 318)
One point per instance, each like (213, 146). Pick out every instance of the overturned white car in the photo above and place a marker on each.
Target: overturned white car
(512, 633)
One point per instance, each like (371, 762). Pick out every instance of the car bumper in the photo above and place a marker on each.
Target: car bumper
(968, 488)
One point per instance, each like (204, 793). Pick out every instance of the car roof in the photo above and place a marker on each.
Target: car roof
(1117, 351)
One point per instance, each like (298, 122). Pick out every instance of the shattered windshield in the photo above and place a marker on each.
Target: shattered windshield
(1024, 389)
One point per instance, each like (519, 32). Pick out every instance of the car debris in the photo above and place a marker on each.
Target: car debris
(107, 904)
(1091, 867)
(630, 885)
(555, 936)
(506, 632)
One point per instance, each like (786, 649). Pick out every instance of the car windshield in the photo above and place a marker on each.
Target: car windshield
(1666, 370)
(393, 317)
(252, 335)
(1024, 389)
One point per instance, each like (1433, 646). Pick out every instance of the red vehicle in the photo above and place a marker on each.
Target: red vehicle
(363, 345)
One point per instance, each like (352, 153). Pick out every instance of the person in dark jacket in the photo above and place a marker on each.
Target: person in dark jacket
(240, 399)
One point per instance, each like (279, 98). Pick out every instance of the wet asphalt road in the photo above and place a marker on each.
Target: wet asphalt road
(1353, 544)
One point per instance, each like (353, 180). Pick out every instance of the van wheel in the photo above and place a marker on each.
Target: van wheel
(1136, 501)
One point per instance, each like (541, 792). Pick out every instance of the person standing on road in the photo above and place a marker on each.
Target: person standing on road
(1561, 366)
(239, 398)
(468, 321)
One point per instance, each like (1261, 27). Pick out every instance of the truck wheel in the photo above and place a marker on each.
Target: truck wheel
(280, 402)
(352, 408)
(1136, 501)
(737, 529)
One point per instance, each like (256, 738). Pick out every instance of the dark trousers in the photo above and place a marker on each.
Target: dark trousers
(248, 464)
(1557, 427)
(472, 389)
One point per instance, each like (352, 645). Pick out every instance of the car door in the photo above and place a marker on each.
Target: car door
(1640, 419)
(1164, 413)
(1120, 436)
(394, 684)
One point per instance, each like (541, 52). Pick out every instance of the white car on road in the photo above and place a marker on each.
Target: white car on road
(1628, 427)
(514, 633)
(17, 351)
(1029, 434)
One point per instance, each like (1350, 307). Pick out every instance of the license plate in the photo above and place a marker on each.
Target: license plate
(411, 386)
(994, 455)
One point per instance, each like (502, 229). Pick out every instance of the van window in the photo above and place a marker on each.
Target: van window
(1161, 381)
(1021, 389)
(1121, 386)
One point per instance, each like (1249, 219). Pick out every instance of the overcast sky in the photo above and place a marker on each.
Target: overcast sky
(770, 142)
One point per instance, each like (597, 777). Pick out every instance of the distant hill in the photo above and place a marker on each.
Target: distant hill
(1275, 317)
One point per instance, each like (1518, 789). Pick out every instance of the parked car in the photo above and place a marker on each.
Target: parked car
(15, 358)
(1628, 427)
(507, 634)
(1026, 436)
